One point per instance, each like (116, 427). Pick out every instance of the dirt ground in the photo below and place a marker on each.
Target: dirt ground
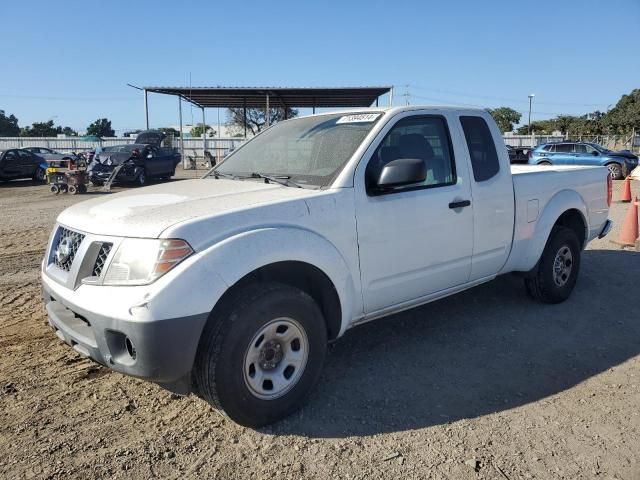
(483, 385)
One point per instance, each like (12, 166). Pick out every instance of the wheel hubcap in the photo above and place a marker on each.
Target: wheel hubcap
(562, 265)
(275, 358)
(613, 170)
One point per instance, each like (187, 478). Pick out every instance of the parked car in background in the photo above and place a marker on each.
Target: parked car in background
(619, 164)
(20, 163)
(518, 154)
(139, 161)
(49, 154)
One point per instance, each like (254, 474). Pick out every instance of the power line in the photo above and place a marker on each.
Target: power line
(505, 99)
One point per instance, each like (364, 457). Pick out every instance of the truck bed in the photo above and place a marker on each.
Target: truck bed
(535, 185)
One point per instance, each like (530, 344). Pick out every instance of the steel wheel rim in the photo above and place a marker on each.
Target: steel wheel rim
(562, 266)
(275, 358)
(614, 170)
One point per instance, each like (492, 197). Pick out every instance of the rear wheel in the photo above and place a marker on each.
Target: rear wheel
(615, 170)
(72, 189)
(556, 273)
(54, 189)
(544, 163)
(260, 357)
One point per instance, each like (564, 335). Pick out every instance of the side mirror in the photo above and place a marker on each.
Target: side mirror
(595, 153)
(403, 171)
(149, 155)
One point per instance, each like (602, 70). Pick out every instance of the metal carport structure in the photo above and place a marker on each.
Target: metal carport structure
(266, 97)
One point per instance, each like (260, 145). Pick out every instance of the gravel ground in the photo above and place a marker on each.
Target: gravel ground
(483, 385)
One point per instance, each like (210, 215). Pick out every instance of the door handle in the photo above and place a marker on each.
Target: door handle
(460, 204)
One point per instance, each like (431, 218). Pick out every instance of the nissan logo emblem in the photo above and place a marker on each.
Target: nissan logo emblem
(63, 252)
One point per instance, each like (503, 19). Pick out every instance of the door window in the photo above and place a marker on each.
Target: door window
(564, 148)
(482, 148)
(580, 149)
(424, 137)
(25, 156)
(11, 156)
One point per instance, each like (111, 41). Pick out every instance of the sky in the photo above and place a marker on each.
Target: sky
(70, 61)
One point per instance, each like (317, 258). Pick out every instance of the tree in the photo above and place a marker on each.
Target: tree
(8, 125)
(41, 129)
(196, 130)
(625, 116)
(505, 117)
(541, 127)
(101, 128)
(69, 132)
(256, 119)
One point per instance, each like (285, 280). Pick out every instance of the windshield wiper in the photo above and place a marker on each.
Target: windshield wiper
(281, 179)
(217, 175)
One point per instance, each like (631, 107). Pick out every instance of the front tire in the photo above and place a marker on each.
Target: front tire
(39, 175)
(142, 178)
(261, 355)
(556, 273)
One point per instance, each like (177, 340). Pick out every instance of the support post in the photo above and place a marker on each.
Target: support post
(266, 113)
(391, 96)
(244, 117)
(185, 164)
(146, 110)
(204, 135)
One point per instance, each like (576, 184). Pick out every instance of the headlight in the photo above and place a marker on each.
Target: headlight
(141, 261)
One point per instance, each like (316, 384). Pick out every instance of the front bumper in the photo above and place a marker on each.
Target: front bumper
(161, 351)
(128, 173)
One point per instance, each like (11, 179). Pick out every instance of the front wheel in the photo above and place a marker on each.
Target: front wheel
(39, 175)
(142, 178)
(259, 358)
(555, 275)
(615, 170)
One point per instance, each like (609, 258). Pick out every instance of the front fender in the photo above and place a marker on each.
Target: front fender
(527, 254)
(237, 256)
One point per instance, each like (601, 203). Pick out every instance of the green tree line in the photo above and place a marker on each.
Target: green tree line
(623, 118)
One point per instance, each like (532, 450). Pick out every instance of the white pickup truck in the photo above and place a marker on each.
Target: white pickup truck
(230, 286)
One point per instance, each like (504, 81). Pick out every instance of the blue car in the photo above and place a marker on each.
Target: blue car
(619, 164)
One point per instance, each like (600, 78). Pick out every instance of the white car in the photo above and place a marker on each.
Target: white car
(230, 286)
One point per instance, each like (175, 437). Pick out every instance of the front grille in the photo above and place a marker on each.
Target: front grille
(72, 242)
(101, 259)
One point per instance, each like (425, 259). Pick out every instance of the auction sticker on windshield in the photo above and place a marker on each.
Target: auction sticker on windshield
(359, 118)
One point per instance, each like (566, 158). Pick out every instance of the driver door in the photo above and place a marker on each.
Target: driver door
(11, 164)
(413, 240)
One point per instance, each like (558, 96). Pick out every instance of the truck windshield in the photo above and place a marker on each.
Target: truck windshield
(311, 151)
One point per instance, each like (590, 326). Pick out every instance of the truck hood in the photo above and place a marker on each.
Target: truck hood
(147, 212)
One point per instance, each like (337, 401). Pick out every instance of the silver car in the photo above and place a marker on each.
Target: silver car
(49, 154)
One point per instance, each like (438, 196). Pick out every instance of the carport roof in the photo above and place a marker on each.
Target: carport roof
(255, 97)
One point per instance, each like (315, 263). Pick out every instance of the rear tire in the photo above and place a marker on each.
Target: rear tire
(54, 189)
(72, 190)
(261, 355)
(544, 163)
(556, 273)
(615, 170)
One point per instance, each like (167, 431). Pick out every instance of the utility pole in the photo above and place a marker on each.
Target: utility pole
(531, 95)
(406, 94)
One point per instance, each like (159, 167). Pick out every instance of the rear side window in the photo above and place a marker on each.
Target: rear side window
(482, 148)
(549, 148)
